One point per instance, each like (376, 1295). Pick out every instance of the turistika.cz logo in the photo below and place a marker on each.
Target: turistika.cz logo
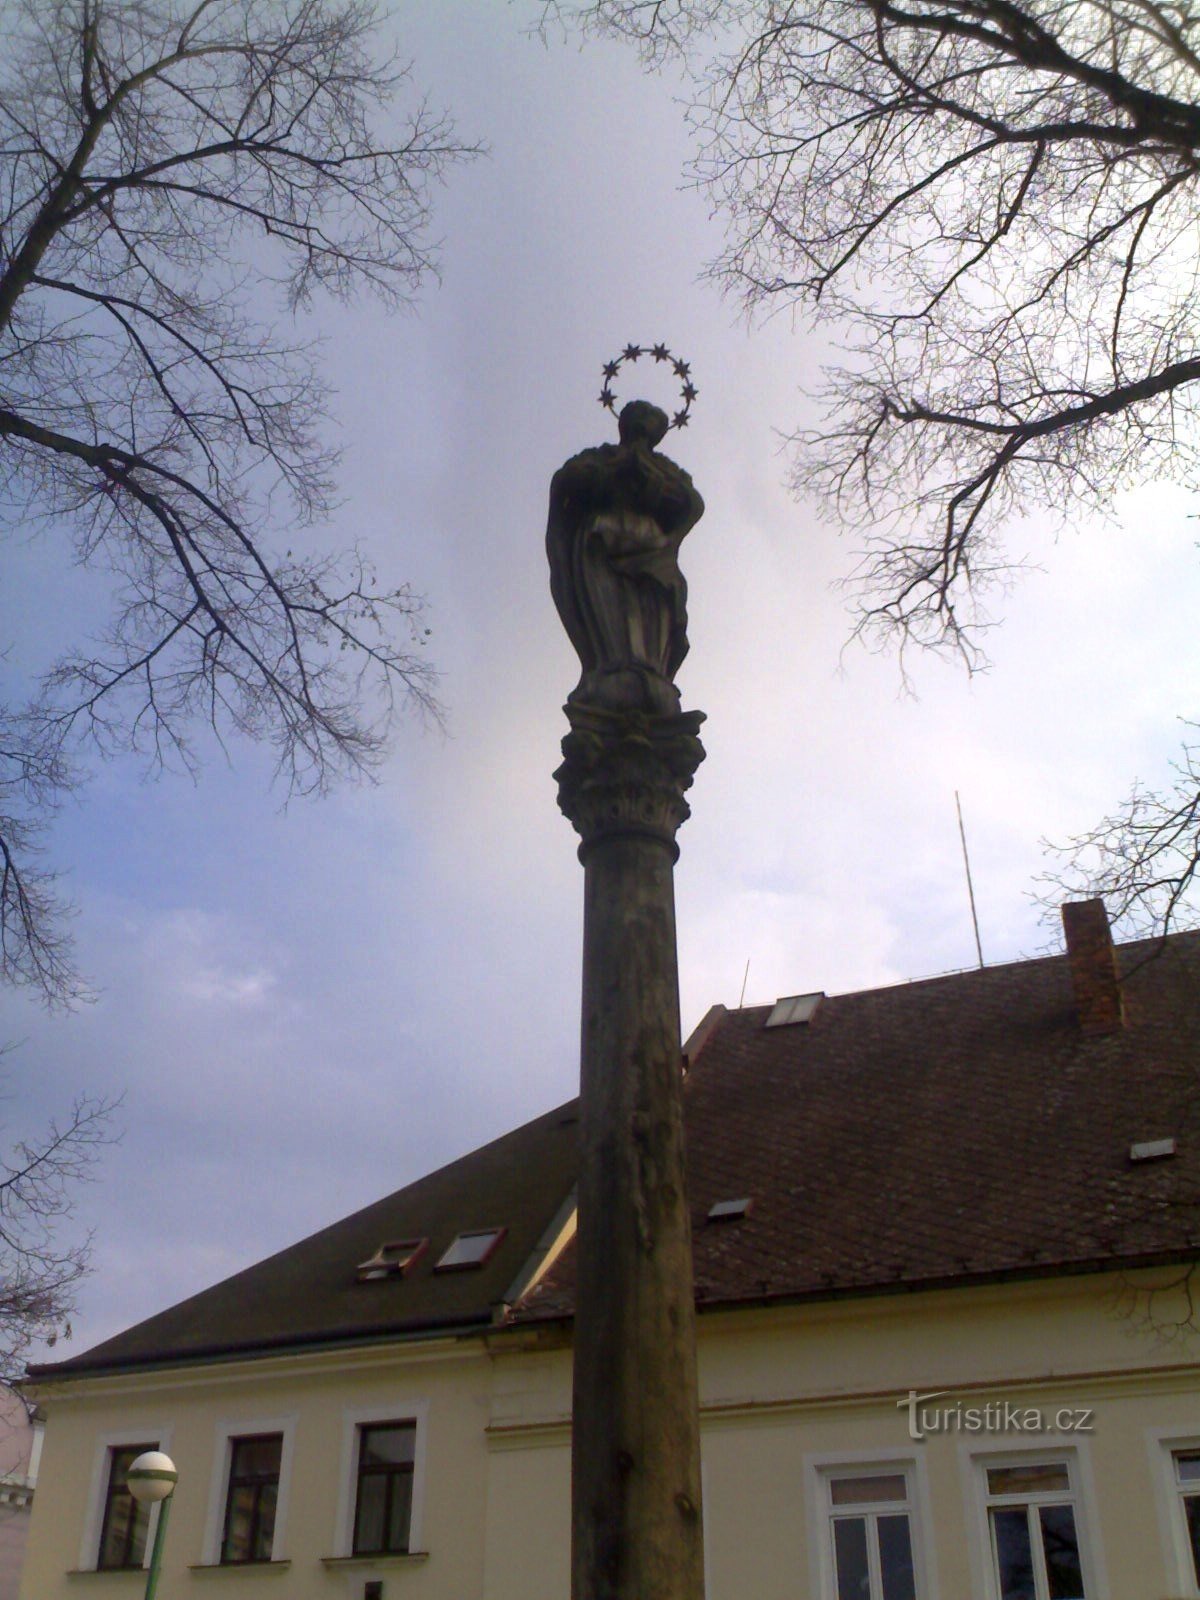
(994, 1416)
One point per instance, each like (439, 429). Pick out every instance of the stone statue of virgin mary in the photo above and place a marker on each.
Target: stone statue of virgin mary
(618, 515)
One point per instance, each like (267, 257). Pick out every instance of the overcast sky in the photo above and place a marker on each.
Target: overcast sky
(307, 1009)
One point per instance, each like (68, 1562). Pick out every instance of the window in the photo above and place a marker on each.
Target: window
(125, 1522)
(381, 1480)
(249, 1489)
(870, 1515)
(1187, 1483)
(794, 1008)
(251, 1498)
(391, 1260)
(470, 1249)
(1034, 1539)
(383, 1501)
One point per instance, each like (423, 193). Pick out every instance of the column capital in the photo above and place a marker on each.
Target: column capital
(626, 772)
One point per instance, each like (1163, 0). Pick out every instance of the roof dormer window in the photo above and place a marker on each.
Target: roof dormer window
(391, 1260)
(794, 1008)
(470, 1249)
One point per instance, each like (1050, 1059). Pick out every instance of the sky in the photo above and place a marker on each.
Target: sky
(306, 1008)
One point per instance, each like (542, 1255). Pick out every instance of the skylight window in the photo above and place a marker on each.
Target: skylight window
(794, 1008)
(470, 1249)
(391, 1260)
(728, 1210)
(1152, 1150)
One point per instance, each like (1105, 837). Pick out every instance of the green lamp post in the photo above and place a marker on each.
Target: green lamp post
(152, 1479)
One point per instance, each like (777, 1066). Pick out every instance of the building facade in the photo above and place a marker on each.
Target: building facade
(944, 1241)
(20, 1457)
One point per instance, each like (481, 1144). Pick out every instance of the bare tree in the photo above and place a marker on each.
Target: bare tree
(43, 1256)
(159, 163)
(996, 202)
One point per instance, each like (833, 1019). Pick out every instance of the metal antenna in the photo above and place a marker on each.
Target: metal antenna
(745, 975)
(962, 833)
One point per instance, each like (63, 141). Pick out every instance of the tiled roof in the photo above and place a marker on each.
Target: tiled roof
(943, 1131)
(946, 1131)
(309, 1293)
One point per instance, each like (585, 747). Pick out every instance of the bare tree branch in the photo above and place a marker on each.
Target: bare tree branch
(997, 205)
(1146, 853)
(159, 160)
(42, 1257)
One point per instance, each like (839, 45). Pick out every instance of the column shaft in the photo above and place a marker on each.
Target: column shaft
(636, 1466)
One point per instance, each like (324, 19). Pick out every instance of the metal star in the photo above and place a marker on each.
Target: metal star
(660, 352)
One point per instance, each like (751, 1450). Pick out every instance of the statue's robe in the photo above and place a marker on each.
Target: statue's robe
(618, 514)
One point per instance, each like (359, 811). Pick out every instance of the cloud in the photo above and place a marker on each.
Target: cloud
(194, 953)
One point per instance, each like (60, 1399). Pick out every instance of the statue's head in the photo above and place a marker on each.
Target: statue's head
(641, 422)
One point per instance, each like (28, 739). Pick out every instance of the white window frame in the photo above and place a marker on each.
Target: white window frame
(227, 1430)
(819, 1472)
(706, 1542)
(1163, 1444)
(35, 1452)
(1050, 1448)
(106, 1443)
(388, 1408)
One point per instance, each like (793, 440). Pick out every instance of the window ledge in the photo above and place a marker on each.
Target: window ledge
(397, 1558)
(108, 1572)
(239, 1566)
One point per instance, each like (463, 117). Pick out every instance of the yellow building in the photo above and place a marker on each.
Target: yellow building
(943, 1242)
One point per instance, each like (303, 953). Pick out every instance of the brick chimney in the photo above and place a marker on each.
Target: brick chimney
(1093, 967)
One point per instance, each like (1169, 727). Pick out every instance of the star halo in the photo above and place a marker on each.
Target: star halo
(658, 352)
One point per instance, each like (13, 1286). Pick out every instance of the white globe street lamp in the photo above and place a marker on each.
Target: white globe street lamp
(151, 1479)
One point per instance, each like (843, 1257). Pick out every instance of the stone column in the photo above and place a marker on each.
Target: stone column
(617, 517)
